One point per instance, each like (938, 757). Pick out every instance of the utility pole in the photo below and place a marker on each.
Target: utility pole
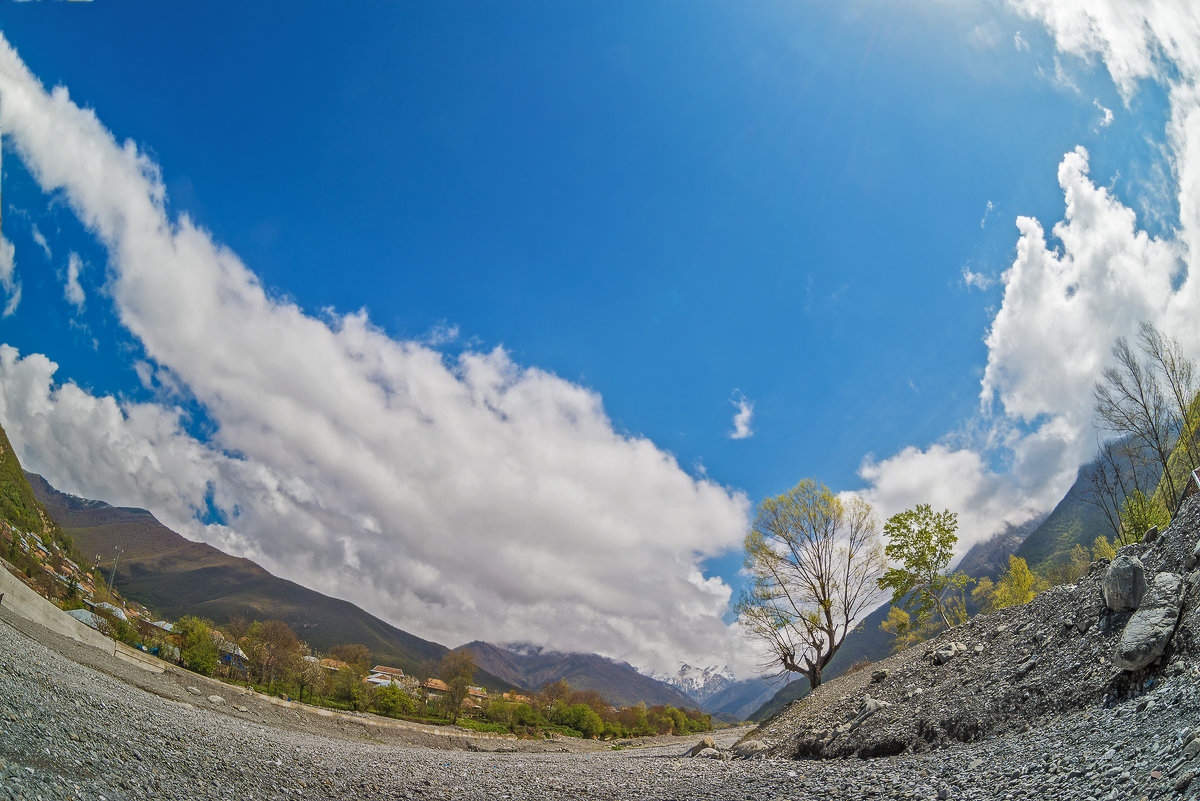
(112, 577)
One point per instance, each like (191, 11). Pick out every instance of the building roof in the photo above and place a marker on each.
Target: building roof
(435, 684)
(390, 671)
(477, 692)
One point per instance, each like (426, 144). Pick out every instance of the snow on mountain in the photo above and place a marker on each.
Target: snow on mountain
(697, 683)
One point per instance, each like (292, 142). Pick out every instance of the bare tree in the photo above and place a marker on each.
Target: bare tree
(1146, 404)
(1121, 470)
(813, 562)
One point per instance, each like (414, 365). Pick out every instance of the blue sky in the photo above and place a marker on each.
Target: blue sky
(667, 209)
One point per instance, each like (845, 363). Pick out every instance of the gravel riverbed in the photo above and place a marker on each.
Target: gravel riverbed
(89, 727)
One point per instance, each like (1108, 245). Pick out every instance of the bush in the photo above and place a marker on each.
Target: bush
(390, 700)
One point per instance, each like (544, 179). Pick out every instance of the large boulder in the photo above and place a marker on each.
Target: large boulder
(1124, 583)
(706, 743)
(748, 749)
(1150, 628)
(948, 651)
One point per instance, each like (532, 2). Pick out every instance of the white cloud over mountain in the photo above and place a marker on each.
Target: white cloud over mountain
(1069, 295)
(459, 498)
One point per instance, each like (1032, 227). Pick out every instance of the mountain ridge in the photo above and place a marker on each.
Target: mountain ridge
(176, 576)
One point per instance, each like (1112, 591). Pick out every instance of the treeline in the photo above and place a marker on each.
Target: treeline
(277, 662)
(586, 713)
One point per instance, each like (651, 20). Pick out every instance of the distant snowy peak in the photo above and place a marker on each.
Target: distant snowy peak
(698, 683)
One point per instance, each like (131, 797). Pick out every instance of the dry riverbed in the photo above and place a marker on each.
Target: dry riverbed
(75, 724)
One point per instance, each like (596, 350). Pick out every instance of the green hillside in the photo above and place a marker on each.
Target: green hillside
(18, 506)
(1074, 521)
(174, 576)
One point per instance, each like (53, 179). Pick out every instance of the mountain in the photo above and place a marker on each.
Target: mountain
(529, 667)
(1074, 521)
(174, 577)
(697, 683)
(716, 691)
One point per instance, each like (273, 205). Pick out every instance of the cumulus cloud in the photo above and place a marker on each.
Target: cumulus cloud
(1071, 292)
(743, 416)
(458, 498)
(72, 290)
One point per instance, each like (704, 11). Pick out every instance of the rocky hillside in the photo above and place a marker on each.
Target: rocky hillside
(1124, 628)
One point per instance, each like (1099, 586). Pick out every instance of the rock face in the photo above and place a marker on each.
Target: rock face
(1149, 630)
(1124, 583)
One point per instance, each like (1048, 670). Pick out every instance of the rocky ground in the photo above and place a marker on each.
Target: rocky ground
(1025, 703)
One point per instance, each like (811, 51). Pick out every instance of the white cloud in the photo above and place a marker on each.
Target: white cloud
(41, 241)
(458, 498)
(1106, 114)
(951, 478)
(743, 416)
(72, 291)
(441, 334)
(985, 36)
(1069, 295)
(977, 280)
(987, 210)
(8, 277)
(1019, 42)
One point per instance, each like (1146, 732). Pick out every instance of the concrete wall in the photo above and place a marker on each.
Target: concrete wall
(26, 602)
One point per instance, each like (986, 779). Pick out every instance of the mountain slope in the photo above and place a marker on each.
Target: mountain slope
(175, 576)
(716, 691)
(1074, 521)
(530, 667)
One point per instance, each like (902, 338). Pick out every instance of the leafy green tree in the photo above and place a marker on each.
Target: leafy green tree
(391, 700)
(1103, 549)
(355, 654)
(458, 671)
(1070, 567)
(347, 687)
(1018, 585)
(813, 561)
(899, 624)
(275, 652)
(198, 650)
(922, 542)
(580, 717)
(1139, 513)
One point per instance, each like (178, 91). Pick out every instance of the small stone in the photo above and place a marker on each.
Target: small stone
(216, 700)
(194, 690)
(878, 676)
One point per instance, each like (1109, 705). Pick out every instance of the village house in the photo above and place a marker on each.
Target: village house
(333, 665)
(382, 675)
